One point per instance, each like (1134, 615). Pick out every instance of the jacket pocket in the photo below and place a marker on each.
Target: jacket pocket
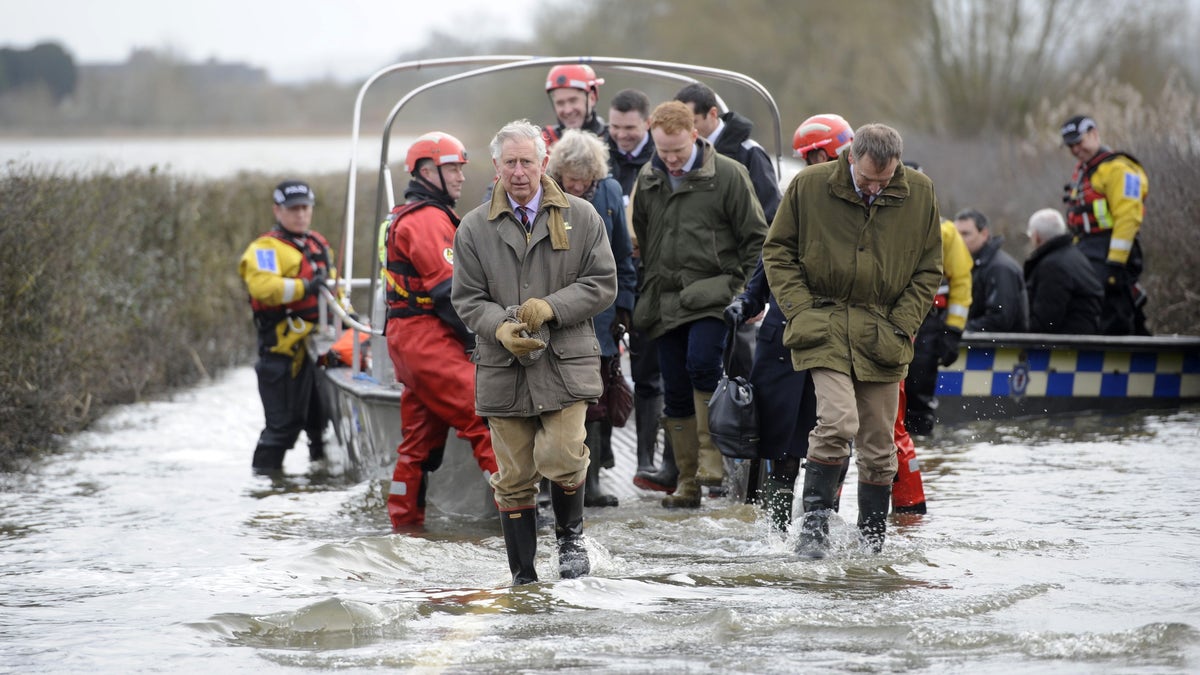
(886, 344)
(495, 377)
(810, 328)
(578, 361)
(711, 292)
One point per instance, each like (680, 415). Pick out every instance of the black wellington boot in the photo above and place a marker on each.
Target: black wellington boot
(568, 529)
(664, 478)
(873, 503)
(818, 497)
(776, 495)
(593, 495)
(520, 541)
(647, 411)
(545, 515)
(268, 460)
(837, 497)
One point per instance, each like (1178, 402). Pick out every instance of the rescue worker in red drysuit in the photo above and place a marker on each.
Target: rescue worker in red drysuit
(427, 341)
(283, 270)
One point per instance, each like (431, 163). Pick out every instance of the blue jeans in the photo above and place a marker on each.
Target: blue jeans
(690, 359)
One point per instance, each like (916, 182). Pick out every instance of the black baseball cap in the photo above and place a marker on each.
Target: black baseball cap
(1074, 128)
(293, 192)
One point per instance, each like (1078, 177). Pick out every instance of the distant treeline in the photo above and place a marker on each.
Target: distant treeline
(47, 66)
(945, 67)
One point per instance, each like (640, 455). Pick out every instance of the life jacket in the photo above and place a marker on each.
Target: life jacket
(1087, 209)
(315, 250)
(406, 294)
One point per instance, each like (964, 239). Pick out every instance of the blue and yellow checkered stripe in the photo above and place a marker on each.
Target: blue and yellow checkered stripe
(1076, 373)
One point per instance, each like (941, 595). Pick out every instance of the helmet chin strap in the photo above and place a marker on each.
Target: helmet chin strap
(437, 188)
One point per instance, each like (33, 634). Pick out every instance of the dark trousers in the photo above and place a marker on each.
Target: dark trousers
(290, 404)
(1118, 315)
(787, 405)
(690, 358)
(921, 383)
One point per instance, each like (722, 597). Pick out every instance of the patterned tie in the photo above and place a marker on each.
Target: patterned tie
(523, 214)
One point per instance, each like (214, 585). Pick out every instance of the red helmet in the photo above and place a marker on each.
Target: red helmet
(573, 76)
(827, 132)
(441, 147)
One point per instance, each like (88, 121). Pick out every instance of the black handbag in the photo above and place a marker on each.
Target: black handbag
(733, 412)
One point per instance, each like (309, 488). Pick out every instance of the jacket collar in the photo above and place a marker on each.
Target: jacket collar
(554, 203)
(736, 131)
(989, 250)
(704, 168)
(841, 184)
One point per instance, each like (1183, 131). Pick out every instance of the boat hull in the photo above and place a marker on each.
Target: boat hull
(1012, 375)
(366, 416)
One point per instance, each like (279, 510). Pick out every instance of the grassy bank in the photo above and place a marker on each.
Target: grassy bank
(114, 287)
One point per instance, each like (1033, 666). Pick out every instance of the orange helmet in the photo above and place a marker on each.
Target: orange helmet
(441, 147)
(827, 132)
(573, 76)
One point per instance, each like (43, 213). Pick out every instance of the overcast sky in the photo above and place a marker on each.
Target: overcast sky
(294, 40)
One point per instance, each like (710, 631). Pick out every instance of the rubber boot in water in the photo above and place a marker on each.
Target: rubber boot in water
(268, 460)
(711, 471)
(663, 479)
(777, 495)
(568, 530)
(682, 432)
(908, 490)
(406, 498)
(545, 515)
(837, 496)
(647, 410)
(817, 498)
(593, 495)
(873, 502)
(520, 541)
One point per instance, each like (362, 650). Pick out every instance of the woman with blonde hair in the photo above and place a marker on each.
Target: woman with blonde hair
(579, 163)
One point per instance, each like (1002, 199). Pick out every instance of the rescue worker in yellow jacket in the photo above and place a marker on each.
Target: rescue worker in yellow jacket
(938, 338)
(283, 270)
(1106, 203)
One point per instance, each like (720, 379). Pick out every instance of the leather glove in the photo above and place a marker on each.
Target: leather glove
(948, 346)
(535, 312)
(318, 280)
(509, 335)
(622, 324)
(735, 313)
(1117, 277)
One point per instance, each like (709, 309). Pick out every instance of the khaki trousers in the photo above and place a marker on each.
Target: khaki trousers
(528, 448)
(849, 409)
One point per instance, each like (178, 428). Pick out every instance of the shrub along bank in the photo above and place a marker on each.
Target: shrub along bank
(115, 287)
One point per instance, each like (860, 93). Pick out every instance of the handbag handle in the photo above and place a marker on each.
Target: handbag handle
(730, 341)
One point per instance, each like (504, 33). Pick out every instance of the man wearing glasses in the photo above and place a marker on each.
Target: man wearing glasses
(854, 258)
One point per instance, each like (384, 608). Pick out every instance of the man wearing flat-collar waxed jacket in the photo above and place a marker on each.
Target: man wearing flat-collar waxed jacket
(854, 258)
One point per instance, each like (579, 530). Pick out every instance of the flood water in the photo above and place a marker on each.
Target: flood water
(1053, 546)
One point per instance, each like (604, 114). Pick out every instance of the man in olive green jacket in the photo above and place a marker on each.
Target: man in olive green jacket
(854, 258)
(700, 229)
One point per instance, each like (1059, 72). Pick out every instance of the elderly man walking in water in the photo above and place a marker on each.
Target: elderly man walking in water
(532, 267)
